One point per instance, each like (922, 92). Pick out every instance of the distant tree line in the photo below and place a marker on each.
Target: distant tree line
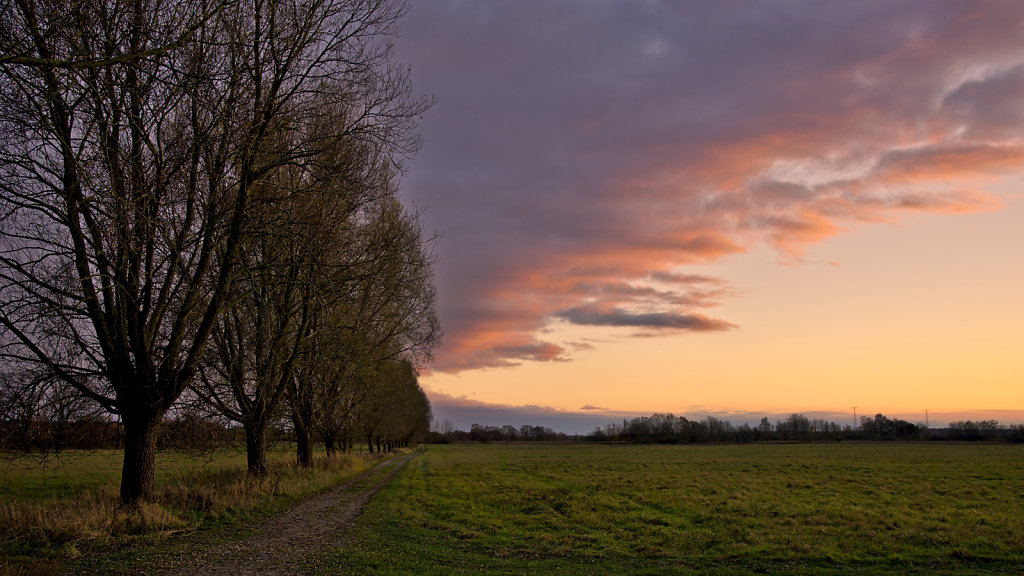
(670, 429)
(444, 433)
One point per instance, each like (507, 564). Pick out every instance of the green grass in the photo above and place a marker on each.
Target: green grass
(730, 509)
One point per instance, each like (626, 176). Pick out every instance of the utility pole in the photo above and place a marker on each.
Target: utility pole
(926, 423)
(854, 417)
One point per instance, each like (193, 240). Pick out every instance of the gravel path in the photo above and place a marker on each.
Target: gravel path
(289, 543)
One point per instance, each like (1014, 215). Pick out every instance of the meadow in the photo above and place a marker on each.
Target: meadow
(57, 510)
(816, 508)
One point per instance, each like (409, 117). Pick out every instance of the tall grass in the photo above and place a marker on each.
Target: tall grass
(69, 509)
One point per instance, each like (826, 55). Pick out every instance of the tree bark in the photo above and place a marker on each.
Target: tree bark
(256, 447)
(303, 448)
(140, 432)
(303, 437)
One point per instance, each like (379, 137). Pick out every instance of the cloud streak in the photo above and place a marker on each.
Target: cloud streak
(595, 316)
(581, 157)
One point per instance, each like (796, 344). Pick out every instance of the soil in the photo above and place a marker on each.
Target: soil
(291, 542)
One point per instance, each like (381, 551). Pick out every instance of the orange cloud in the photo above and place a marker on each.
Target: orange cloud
(947, 163)
(578, 195)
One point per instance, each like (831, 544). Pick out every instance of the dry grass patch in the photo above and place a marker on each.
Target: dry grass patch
(56, 514)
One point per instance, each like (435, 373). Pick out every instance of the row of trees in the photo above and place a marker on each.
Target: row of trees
(405, 421)
(198, 202)
(507, 433)
(670, 429)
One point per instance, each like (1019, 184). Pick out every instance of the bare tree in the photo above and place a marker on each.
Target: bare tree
(129, 156)
(255, 342)
(303, 216)
(380, 308)
(42, 414)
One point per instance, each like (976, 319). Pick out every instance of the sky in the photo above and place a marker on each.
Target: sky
(738, 209)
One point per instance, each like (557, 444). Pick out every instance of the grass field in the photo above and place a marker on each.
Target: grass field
(27, 478)
(722, 509)
(61, 509)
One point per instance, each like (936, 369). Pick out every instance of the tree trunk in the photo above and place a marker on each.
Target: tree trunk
(330, 445)
(256, 447)
(303, 440)
(140, 432)
(301, 417)
(303, 448)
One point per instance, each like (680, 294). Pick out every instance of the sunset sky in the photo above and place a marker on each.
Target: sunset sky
(729, 208)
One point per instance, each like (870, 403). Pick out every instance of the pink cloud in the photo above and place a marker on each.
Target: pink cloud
(948, 162)
(573, 178)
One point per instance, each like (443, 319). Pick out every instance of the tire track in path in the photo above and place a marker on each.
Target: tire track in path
(291, 542)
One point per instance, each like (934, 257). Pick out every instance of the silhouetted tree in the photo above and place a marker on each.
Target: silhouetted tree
(883, 428)
(974, 431)
(795, 427)
(131, 143)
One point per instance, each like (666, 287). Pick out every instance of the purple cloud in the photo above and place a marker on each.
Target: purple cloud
(595, 316)
(589, 152)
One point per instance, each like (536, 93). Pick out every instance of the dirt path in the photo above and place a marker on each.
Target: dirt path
(289, 543)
